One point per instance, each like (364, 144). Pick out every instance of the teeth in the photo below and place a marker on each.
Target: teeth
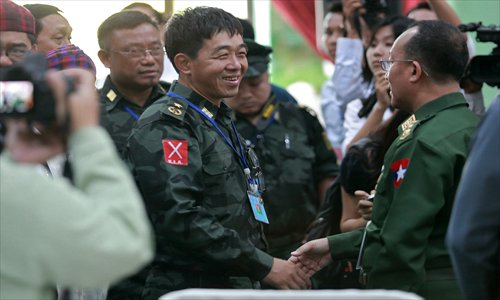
(231, 78)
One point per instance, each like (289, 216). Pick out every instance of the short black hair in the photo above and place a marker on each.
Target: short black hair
(126, 19)
(441, 48)
(187, 30)
(335, 7)
(40, 11)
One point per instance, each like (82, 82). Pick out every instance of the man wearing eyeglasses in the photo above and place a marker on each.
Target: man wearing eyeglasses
(403, 246)
(16, 38)
(132, 50)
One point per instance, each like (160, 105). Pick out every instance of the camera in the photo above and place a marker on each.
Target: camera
(24, 92)
(484, 68)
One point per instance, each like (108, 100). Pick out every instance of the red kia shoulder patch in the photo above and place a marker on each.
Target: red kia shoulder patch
(398, 170)
(175, 152)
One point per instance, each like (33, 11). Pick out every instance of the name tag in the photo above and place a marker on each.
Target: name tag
(259, 212)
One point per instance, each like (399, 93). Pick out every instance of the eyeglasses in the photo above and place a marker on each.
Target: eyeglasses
(386, 64)
(139, 52)
(16, 53)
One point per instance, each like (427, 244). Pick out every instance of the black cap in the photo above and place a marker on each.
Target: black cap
(258, 58)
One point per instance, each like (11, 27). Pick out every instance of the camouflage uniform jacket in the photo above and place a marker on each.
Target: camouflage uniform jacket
(118, 116)
(295, 155)
(194, 189)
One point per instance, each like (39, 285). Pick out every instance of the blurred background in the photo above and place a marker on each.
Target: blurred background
(291, 27)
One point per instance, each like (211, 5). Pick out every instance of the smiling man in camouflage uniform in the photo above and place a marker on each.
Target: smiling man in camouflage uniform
(193, 171)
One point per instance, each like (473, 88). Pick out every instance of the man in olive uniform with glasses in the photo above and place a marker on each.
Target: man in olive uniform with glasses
(132, 49)
(403, 247)
(296, 158)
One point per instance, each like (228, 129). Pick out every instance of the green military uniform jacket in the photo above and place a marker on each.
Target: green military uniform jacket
(405, 247)
(194, 189)
(118, 116)
(295, 156)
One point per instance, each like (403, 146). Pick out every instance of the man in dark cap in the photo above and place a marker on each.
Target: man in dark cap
(296, 159)
(17, 33)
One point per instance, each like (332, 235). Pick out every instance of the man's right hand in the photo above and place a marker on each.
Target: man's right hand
(287, 275)
(312, 256)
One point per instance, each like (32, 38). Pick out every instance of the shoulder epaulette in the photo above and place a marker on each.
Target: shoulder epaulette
(175, 108)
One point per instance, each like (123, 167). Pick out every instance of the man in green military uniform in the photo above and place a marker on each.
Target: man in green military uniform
(131, 48)
(191, 166)
(297, 161)
(404, 245)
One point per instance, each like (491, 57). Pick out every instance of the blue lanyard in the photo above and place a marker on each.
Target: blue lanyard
(131, 112)
(241, 154)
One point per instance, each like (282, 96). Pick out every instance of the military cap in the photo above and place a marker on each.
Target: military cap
(69, 56)
(14, 17)
(258, 58)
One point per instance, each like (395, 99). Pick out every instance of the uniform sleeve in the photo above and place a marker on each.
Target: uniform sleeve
(325, 164)
(87, 235)
(176, 195)
(416, 211)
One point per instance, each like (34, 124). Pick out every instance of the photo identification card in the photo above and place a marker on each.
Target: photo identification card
(259, 212)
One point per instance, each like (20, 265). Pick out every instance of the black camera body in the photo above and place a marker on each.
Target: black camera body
(24, 91)
(484, 68)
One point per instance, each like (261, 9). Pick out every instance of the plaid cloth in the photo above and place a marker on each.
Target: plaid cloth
(15, 18)
(69, 56)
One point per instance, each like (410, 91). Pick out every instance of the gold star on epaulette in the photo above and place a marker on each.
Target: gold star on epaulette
(111, 95)
(178, 105)
(206, 111)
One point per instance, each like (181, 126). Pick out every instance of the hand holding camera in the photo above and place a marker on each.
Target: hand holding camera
(39, 123)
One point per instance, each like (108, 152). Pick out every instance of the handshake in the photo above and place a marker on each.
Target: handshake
(295, 273)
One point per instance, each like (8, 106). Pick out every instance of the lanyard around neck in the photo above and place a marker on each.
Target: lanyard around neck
(131, 112)
(241, 153)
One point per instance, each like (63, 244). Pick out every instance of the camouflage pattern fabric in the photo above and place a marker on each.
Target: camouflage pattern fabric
(194, 190)
(294, 155)
(114, 115)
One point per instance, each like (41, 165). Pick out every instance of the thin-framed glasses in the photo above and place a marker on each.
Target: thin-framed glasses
(386, 64)
(140, 52)
(16, 53)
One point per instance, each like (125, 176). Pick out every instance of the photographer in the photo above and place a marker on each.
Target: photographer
(86, 235)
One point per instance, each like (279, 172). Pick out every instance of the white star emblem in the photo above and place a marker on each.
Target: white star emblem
(400, 173)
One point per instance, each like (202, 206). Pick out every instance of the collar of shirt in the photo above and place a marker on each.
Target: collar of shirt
(113, 96)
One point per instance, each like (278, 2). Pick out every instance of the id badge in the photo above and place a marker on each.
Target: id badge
(259, 212)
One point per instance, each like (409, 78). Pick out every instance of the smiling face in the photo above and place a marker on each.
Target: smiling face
(129, 72)
(379, 47)
(56, 32)
(217, 70)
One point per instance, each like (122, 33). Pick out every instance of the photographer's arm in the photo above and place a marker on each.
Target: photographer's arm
(85, 235)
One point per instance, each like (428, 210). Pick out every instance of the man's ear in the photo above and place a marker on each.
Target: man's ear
(104, 57)
(183, 63)
(417, 71)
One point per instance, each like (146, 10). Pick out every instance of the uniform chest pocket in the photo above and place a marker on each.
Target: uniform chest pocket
(218, 163)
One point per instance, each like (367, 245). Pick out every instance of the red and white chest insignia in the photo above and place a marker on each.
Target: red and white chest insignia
(175, 152)
(398, 170)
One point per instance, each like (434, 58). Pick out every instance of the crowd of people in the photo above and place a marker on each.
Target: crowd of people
(216, 179)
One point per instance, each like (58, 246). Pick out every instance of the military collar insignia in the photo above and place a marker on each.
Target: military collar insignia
(267, 111)
(408, 123)
(407, 127)
(111, 95)
(175, 109)
(207, 112)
